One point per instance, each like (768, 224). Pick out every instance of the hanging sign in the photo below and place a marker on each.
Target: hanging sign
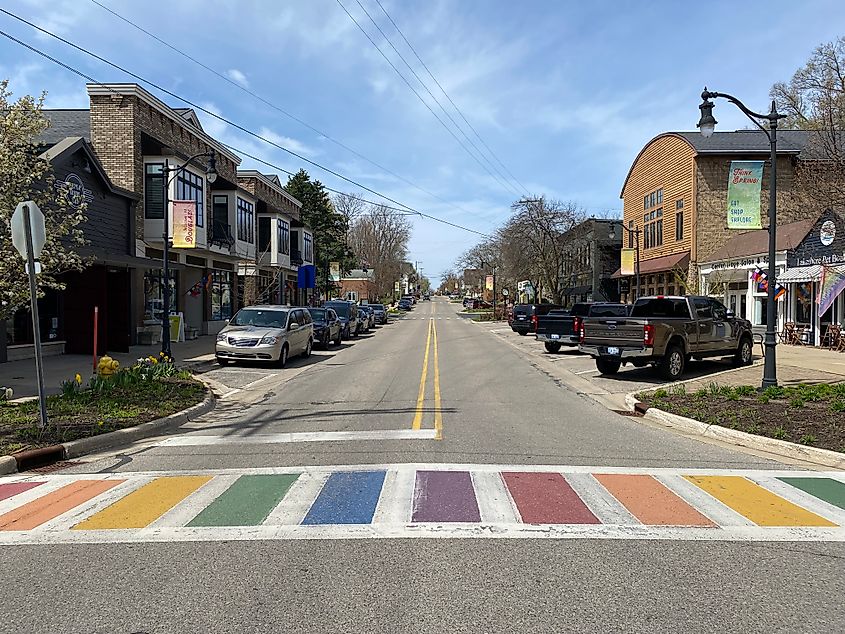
(831, 286)
(488, 282)
(184, 224)
(628, 261)
(744, 181)
(334, 271)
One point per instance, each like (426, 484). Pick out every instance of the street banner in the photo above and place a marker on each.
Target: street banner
(831, 285)
(628, 261)
(488, 283)
(334, 271)
(184, 224)
(744, 181)
(397, 286)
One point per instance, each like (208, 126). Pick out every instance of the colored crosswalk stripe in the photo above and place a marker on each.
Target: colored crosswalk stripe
(547, 498)
(827, 489)
(141, 507)
(651, 502)
(247, 502)
(445, 496)
(50, 506)
(13, 488)
(761, 506)
(347, 498)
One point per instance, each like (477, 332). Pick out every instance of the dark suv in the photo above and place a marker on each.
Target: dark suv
(524, 317)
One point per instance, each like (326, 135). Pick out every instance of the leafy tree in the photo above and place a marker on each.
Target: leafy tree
(330, 227)
(25, 176)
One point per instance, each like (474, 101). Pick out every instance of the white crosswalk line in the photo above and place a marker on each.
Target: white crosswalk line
(494, 502)
(294, 506)
(191, 506)
(603, 505)
(799, 497)
(397, 499)
(703, 501)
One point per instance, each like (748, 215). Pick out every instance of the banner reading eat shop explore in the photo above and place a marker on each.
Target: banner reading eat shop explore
(744, 181)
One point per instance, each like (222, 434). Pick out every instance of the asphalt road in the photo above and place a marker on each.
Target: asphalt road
(483, 403)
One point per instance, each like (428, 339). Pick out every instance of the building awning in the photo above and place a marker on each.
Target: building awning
(659, 265)
(812, 273)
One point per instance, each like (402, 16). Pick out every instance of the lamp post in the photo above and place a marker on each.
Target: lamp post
(635, 232)
(707, 125)
(211, 176)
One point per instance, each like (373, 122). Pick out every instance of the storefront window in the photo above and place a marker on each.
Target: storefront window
(804, 302)
(154, 294)
(221, 295)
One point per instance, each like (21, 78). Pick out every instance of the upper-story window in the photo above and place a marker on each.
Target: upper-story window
(283, 236)
(154, 191)
(189, 187)
(653, 219)
(246, 221)
(308, 254)
(679, 219)
(653, 199)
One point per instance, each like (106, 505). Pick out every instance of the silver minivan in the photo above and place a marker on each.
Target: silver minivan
(266, 333)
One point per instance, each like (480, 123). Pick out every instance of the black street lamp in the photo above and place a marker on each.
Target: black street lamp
(211, 175)
(635, 234)
(707, 125)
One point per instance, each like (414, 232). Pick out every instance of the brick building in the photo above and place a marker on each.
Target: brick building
(359, 286)
(591, 251)
(676, 194)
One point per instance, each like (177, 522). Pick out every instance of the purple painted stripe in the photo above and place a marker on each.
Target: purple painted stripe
(445, 496)
(13, 488)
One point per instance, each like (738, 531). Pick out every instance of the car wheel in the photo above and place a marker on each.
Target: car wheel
(552, 346)
(608, 366)
(325, 343)
(339, 338)
(522, 334)
(283, 356)
(222, 361)
(671, 366)
(745, 353)
(307, 352)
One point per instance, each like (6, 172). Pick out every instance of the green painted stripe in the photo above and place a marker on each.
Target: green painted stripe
(247, 502)
(827, 489)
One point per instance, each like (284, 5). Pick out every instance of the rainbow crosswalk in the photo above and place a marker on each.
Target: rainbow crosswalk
(423, 500)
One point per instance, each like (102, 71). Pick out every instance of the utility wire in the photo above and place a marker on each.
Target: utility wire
(436, 100)
(91, 79)
(423, 101)
(278, 108)
(443, 90)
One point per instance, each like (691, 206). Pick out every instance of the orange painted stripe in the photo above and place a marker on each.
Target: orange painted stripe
(53, 504)
(651, 502)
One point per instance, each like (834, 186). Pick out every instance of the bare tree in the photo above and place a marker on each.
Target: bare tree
(380, 239)
(350, 205)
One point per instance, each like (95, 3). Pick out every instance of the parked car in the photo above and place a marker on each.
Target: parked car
(404, 304)
(327, 326)
(563, 327)
(525, 316)
(371, 315)
(266, 333)
(667, 332)
(380, 313)
(411, 299)
(347, 312)
(426, 297)
(363, 319)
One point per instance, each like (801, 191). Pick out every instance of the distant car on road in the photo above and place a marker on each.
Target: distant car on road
(347, 312)
(404, 304)
(380, 313)
(327, 326)
(266, 333)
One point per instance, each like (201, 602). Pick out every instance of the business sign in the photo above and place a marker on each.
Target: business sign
(488, 283)
(185, 224)
(744, 181)
(629, 258)
(334, 271)
(72, 191)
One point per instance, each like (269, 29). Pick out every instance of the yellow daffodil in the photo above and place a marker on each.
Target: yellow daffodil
(78, 378)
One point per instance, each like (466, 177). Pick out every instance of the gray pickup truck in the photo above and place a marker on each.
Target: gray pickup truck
(562, 327)
(667, 332)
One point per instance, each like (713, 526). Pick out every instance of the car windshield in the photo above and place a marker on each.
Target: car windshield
(661, 307)
(265, 318)
(318, 314)
(609, 310)
(377, 306)
(342, 310)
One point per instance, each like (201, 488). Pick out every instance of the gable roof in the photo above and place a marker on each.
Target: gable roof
(71, 145)
(190, 116)
(65, 123)
(756, 242)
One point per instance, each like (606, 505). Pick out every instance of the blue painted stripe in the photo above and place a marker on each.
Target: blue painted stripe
(348, 497)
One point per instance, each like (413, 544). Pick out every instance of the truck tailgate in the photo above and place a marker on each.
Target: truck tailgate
(555, 324)
(621, 332)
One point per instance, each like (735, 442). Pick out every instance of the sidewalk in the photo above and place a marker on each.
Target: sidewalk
(20, 375)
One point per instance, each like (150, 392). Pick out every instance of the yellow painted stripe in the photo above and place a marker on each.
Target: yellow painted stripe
(417, 424)
(438, 414)
(142, 507)
(761, 506)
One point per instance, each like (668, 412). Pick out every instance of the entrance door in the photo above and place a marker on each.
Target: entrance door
(117, 309)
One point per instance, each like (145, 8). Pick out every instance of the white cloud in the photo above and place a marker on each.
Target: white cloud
(238, 77)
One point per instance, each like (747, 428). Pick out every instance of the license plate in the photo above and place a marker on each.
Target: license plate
(612, 350)
(555, 336)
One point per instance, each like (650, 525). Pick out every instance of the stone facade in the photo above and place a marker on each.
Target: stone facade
(591, 257)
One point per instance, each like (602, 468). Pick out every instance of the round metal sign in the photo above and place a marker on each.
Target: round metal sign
(828, 233)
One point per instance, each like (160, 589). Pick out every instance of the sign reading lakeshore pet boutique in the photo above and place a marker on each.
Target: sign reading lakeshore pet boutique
(744, 182)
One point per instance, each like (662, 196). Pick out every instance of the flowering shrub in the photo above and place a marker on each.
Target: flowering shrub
(149, 368)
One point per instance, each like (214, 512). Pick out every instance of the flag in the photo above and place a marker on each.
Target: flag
(831, 285)
(761, 278)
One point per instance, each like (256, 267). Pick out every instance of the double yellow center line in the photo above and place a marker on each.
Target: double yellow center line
(438, 414)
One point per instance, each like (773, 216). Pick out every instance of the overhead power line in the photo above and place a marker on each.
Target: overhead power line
(93, 80)
(265, 101)
(443, 90)
(425, 103)
(431, 94)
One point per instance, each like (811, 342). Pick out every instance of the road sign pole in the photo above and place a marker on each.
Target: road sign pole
(36, 330)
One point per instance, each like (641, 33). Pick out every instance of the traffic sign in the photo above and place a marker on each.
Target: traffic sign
(36, 223)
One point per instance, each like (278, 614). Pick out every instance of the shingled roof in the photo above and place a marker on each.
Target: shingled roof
(64, 124)
(756, 242)
(746, 142)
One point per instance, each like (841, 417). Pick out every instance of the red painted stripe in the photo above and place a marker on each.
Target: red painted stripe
(13, 488)
(547, 498)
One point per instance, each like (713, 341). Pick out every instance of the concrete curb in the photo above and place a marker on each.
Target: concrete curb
(774, 446)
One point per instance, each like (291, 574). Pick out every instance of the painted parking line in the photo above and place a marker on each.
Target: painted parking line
(425, 500)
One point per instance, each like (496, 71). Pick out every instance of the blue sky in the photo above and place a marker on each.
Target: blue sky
(566, 93)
